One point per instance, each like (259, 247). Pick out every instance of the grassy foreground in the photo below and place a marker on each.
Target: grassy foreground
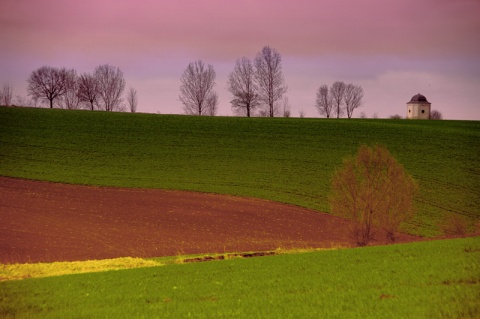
(436, 279)
(286, 160)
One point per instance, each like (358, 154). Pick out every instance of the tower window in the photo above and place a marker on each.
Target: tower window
(423, 111)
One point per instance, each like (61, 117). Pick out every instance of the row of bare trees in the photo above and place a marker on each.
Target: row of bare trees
(338, 99)
(253, 85)
(100, 90)
(258, 84)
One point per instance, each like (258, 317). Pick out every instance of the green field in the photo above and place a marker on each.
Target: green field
(287, 160)
(435, 279)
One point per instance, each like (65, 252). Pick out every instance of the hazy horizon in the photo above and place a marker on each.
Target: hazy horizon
(393, 49)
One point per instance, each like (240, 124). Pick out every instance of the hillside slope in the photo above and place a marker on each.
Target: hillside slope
(286, 160)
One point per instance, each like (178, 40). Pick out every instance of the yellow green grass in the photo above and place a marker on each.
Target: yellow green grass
(38, 270)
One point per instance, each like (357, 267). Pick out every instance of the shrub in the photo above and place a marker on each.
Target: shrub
(454, 225)
(373, 190)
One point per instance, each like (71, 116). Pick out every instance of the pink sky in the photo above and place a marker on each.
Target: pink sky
(394, 49)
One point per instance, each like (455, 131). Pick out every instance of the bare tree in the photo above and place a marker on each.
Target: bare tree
(436, 115)
(132, 100)
(6, 95)
(70, 99)
(111, 84)
(24, 101)
(241, 83)
(285, 104)
(324, 102)
(88, 89)
(211, 104)
(197, 85)
(353, 97)
(47, 83)
(373, 190)
(337, 91)
(269, 78)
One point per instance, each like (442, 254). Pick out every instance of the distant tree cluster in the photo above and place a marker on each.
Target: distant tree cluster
(63, 88)
(339, 99)
(436, 115)
(6, 95)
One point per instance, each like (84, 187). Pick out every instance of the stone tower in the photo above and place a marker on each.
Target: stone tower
(418, 108)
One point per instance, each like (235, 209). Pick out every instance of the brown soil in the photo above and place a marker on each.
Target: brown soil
(45, 222)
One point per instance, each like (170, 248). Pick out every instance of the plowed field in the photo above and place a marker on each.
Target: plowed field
(46, 222)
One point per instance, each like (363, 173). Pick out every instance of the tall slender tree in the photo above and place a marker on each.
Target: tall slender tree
(241, 83)
(269, 78)
(337, 91)
(110, 86)
(6, 95)
(132, 100)
(353, 98)
(70, 100)
(88, 89)
(324, 103)
(211, 104)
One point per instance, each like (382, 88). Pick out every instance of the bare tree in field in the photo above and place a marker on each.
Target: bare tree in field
(337, 91)
(353, 98)
(324, 102)
(24, 101)
(197, 86)
(132, 100)
(241, 83)
(88, 89)
(436, 115)
(111, 84)
(373, 190)
(211, 104)
(47, 83)
(70, 99)
(285, 105)
(6, 95)
(269, 78)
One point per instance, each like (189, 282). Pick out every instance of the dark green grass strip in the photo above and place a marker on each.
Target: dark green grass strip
(437, 279)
